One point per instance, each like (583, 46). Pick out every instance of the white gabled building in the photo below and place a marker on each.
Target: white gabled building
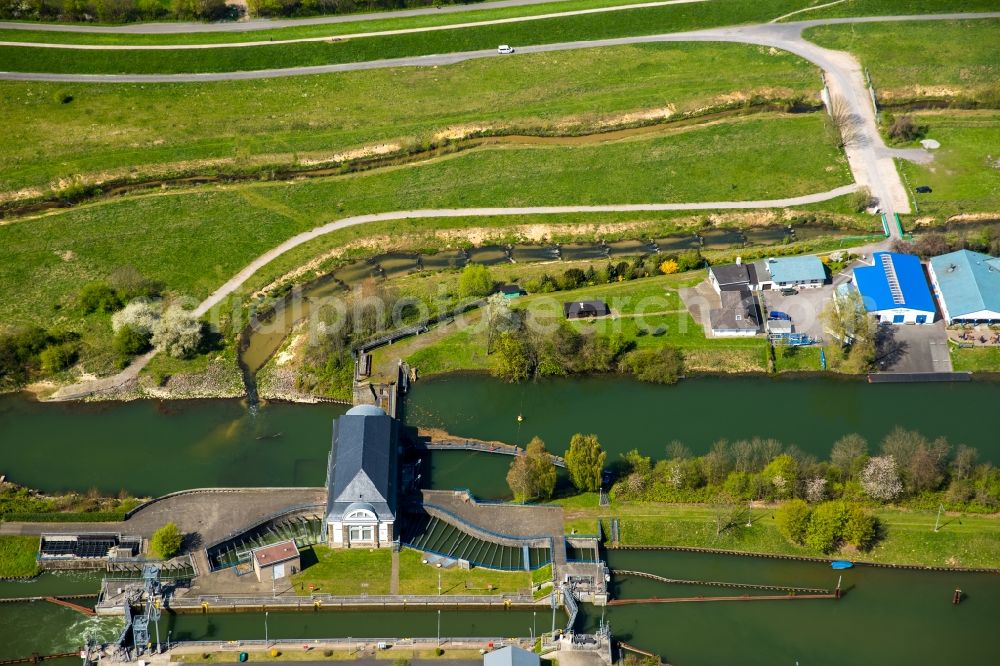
(362, 480)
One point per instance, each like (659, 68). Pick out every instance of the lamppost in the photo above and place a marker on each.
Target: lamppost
(266, 641)
(439, 627)
(534, 630)
(439, 583)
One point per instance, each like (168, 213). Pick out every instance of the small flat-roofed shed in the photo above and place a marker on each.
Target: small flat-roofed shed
(275, 561)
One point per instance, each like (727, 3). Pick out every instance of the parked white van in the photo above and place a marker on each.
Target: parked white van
(504, 49)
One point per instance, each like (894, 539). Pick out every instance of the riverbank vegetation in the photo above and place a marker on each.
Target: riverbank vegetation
(22, 504)
(905, 536)
(908, 470)
(18, 557)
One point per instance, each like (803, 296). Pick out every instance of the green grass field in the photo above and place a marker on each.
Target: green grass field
(976, 360)
(217, 231)
(937, 60)
(346, 572)
(896, 7)
(146, 131)
(965, 173)
(644, 21)
(969, 541)
(418, 578)
(17, 556)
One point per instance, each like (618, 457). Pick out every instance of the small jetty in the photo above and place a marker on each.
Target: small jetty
(745, 597)
(712, 583)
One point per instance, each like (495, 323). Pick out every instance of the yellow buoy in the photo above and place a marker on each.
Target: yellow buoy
(519, 418)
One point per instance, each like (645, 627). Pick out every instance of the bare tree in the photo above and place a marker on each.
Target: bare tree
(849, 124)
(847, 452)
(965, 462)
(726, 512)
(676, 450)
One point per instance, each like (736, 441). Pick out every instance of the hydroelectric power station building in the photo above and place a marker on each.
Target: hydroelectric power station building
(362, 480)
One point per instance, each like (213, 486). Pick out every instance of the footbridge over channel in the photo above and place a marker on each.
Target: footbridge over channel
(435, 440)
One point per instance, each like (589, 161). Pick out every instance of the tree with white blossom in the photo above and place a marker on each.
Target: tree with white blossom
(880, 479)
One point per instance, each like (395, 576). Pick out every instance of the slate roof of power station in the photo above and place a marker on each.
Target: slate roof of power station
(894, 281)
(969, 282)
(362, 468)
(510, 656)
(788, 270)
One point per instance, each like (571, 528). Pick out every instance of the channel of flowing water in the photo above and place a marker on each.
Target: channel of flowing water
(887, 616)
(151, 447)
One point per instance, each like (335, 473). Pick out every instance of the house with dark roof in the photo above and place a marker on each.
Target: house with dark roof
(967, 286)
(732, 277)
(895, 289)
(739, 315)
(362, 480)
(586, 309)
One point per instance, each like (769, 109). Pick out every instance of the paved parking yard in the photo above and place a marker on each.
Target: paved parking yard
(803, 307)
(916, 349)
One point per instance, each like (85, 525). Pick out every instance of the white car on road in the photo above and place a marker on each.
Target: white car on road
(504, 49)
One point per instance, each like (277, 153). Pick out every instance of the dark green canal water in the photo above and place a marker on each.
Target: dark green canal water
(887, 616)
(809, 413)
(151, 447)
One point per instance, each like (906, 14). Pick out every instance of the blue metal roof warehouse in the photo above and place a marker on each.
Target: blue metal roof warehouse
(895, 289)
(968, 285)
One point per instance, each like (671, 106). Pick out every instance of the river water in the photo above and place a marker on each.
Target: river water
(150, 447)
(887, 616)
(811, 413)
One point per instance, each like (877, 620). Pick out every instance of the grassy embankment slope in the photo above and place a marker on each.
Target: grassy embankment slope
(952, 61)
(894, 8)
(645, 21)
(307, 30)
(17, 556)
(217, 231)
(136, 132)
(909, 537)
